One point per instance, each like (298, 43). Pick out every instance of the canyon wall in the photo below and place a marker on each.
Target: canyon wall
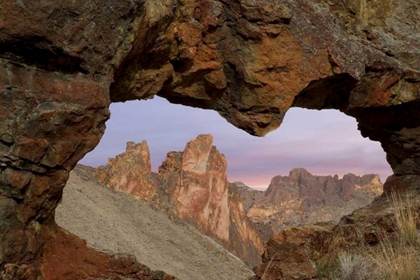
(63, 62)
(191, 186)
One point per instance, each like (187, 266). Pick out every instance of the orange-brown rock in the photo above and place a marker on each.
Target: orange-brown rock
(67, 258)
(303, 199)
(191, 186)
(295, 252)
(291, 254)
(63, 62)
(56, 65)
(128, 172)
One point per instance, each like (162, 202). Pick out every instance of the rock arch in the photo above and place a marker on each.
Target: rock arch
(63, 62)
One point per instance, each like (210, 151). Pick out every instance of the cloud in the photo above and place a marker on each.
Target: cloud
(324, 142)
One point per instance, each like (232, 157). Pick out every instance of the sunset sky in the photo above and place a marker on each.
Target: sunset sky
(324, 142)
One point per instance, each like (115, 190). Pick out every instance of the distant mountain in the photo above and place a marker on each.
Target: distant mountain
(302, 198)
(190, 186)
(248, 195)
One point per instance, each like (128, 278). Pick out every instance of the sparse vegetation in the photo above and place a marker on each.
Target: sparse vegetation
(395, 261)
(395, 257)
(406, 219)
(328, 267)
(354, 267)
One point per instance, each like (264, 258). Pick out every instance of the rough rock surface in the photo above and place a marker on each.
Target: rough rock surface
(100, 216)
(303, 199)
(294, 252)
(63, 62)
(248, 195)
(67, 257)
(129, 172)
(191, 186)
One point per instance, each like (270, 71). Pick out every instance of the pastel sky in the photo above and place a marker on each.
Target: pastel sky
(324, 142)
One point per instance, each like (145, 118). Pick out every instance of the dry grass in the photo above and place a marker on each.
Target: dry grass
(354, 267)
(406, 219)
(394, 261)
(328, 267)
(270, 270)
(396, 257)
(399, 258)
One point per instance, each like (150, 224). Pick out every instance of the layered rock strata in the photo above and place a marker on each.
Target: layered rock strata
(63, 62)
(304, 199)
(190, 186)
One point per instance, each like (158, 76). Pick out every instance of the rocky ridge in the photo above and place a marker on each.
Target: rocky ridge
(190, 186)
(99, 215)
(304, 199)
(63, 62)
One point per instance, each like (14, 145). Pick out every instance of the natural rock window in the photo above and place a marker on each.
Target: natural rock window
(324, 142)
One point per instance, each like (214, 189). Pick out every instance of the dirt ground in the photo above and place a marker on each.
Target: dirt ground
(115, 222)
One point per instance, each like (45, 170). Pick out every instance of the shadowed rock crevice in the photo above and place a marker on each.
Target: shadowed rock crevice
(330, 93)
(37, 52)
(397, 128)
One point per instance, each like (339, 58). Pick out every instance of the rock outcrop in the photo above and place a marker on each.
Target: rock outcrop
(294, 253)
(67, 257)
(63, 62)
(129, 172)
(303, 199)
(100, 216)
(191, 186)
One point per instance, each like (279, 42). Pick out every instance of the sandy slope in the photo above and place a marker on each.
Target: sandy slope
(116, 222)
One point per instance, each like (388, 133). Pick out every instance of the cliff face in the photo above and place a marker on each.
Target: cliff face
(302, 198)
(129, 172)
(191, 186)
(63, 62)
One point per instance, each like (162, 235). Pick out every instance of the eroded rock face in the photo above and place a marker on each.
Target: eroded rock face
(67, 257)
(56, 66)
(291, 253)
(253, 60)
(128, 172)
(303, 199)
(294, 253)
(62, 62)
(191, 186)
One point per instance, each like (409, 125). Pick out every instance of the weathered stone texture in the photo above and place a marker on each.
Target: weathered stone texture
(295, 252)
(191, 186)
(56, 64)
(62, 62)
(305, 199)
